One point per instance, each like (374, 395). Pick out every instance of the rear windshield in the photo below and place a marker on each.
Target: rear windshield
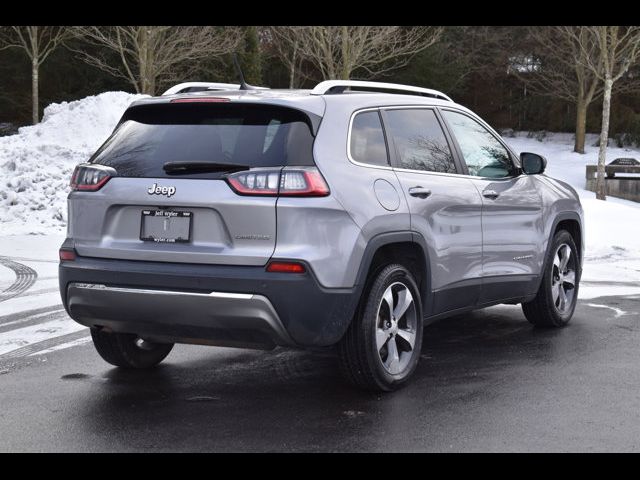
(238, 134)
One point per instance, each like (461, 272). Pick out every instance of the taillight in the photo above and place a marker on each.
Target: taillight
(303, 182)
(285, 267)
(288, 181)
(255, 182)
(89, 177)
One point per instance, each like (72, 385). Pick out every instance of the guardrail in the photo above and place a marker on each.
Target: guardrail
(622, 179)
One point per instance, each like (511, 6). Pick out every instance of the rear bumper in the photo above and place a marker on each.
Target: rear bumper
(208, 304)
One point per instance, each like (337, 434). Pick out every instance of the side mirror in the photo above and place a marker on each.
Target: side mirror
(532, 163)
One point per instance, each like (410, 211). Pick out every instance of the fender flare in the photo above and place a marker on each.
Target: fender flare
(382, 239)
(561, 216)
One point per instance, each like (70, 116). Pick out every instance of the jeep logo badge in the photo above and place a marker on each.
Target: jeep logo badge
(156, 189)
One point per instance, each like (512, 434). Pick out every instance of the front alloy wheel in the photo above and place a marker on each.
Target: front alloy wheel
(557, 295)
(563, 279)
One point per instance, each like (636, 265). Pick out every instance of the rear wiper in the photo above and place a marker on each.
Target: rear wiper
(177, 168)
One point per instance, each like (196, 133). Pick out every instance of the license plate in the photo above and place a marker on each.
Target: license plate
(165, 226)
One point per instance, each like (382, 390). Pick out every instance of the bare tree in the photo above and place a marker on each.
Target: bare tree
(149, 55)
(480, 50)
(286, 45)
(619, 48)
(557, 67)
(37, 42)
(339, 51)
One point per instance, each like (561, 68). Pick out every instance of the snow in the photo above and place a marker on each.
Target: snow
(37, 162)
(39, 252)
(25, 336)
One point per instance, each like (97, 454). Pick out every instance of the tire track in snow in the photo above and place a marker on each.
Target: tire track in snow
(25, 314)
(49, 345)
(25, 278)
(32, 320)
(25, 340)
(34, 331)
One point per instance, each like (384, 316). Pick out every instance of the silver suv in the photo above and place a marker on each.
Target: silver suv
(350, 215)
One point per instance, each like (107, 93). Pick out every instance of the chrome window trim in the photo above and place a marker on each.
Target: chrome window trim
(351, 159)
(395, 169)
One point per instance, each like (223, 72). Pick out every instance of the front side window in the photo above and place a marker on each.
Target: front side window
(419, 141)
(484, 155)
(367, 139)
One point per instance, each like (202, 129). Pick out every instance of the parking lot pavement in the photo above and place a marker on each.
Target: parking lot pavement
(487, 381)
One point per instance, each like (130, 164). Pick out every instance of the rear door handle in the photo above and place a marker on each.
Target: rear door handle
(490, 194)
(419, 192)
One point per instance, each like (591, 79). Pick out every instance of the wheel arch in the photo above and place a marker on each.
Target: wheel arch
(407, 248)
(572, 222)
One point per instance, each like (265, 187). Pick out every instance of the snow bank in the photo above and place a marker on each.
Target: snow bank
(36, 163)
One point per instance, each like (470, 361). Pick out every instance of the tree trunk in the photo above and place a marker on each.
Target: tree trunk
(581, 125)
(35, 105)
(601, 193)
(345, 71)
(292, 69)
(145, 58)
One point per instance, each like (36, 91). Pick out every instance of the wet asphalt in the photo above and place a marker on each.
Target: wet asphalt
(487, 381)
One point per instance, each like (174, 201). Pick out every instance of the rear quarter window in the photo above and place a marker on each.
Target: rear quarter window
(367, 143)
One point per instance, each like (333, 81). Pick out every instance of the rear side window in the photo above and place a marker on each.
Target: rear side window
(419, 141)
(367, 139)
(238, 134)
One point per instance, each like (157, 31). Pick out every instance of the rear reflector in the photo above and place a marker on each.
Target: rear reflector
(288, 181)
(200, 100)
(286, 267)
(67, 255)
(89, 177)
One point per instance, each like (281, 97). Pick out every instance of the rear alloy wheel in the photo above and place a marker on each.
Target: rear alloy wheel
(127, 350)
(381, 349)
(556, 299)
(396, 328)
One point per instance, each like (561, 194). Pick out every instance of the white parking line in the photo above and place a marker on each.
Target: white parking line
(617, 311)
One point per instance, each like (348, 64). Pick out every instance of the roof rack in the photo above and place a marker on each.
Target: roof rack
(339, 86)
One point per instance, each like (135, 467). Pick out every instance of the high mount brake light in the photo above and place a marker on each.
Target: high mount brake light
(284, 182)
(90, 178)
(200, 100)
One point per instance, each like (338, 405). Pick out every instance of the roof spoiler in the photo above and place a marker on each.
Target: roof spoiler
(188, 87)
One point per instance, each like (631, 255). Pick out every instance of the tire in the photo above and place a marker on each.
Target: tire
(363, 362)
(122, 349)
(548, 309)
